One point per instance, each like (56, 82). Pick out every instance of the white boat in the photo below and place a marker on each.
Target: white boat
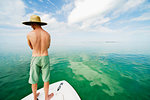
(62, 91)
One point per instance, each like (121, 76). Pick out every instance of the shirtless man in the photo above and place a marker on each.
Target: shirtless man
(39, 41)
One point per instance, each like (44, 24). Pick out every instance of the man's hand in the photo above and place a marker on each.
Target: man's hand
(29, 43)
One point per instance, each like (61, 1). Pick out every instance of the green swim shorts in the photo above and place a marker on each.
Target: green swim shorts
(39, 64)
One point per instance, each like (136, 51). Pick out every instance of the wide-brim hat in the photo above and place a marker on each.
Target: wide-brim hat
(34, 19)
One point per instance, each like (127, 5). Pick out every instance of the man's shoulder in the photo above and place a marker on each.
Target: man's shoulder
(30, 33)
(46, 32)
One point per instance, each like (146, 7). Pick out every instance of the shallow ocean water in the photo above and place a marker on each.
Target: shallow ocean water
(94, 75)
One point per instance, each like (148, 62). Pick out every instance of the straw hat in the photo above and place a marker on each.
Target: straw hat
(34, 19)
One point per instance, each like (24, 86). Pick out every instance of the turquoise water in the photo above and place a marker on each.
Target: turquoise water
(94, 74)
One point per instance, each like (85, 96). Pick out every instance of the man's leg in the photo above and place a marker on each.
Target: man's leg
(46, 89)
(34, 88)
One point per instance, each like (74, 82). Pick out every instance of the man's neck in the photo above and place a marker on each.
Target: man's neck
(38, 27)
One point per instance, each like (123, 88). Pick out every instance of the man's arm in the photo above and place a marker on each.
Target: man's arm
(49, 41)
(29, 43)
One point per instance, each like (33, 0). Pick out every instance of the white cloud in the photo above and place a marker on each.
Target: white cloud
(143, 17)
(88, 8)
(95, 24)
(85, 9)
(124, 6)
(66, 9)
(11, 12)
(90, 15)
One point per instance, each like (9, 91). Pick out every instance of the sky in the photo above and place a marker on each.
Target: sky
(78, 22)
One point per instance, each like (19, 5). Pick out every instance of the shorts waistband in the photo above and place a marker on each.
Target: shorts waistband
(40, 56)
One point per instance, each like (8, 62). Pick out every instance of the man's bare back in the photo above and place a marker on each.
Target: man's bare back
(39, 41)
